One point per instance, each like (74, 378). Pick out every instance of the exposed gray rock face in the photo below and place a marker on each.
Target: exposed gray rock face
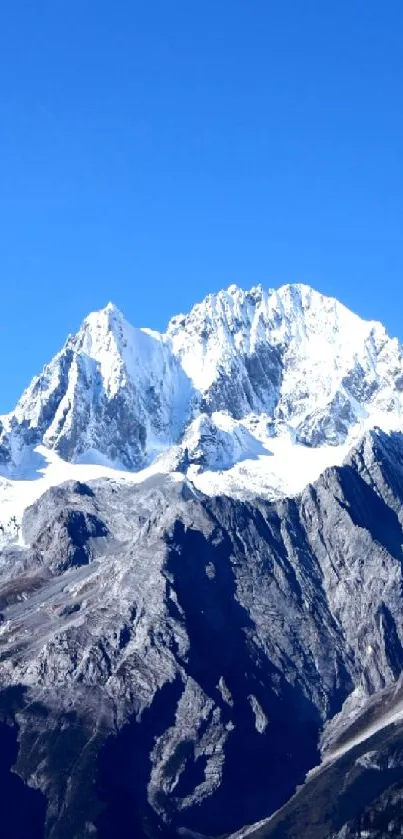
(169, 661)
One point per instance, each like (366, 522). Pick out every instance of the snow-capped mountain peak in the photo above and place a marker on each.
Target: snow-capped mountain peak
(292, 353)
(112, 390)
(274, 365)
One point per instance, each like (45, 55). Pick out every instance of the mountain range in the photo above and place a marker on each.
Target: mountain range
(201, 585)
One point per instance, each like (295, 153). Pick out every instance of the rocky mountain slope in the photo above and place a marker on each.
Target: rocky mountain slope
(170, 662)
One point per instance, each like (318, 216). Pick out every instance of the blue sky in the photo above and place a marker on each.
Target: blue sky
(153, 151)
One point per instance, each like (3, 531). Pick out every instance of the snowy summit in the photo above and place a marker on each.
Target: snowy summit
(251, 392)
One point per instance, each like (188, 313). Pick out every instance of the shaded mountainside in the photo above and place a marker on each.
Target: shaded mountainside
(172, 662)
(358, 790)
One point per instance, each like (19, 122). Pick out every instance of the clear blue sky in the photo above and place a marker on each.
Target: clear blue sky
(153, 151)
